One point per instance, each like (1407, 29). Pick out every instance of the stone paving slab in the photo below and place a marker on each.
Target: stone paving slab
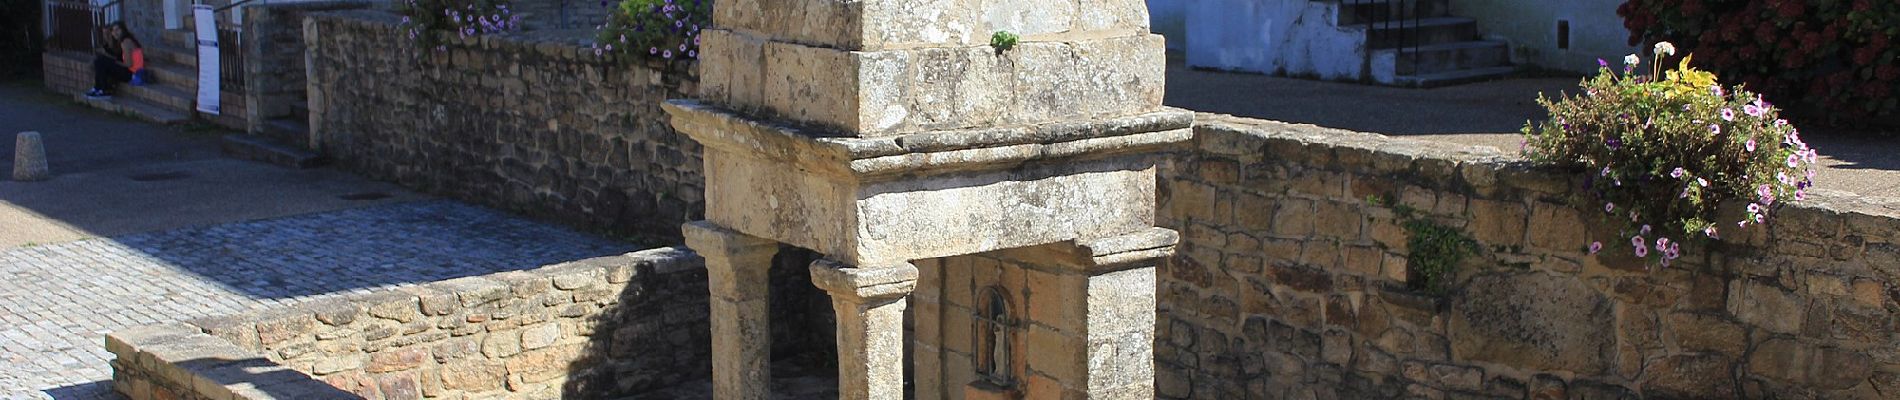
(58, 301)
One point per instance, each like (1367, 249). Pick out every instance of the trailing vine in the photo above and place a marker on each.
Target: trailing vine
(1434, 250)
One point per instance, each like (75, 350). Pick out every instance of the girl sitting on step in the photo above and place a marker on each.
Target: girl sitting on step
(120, 56)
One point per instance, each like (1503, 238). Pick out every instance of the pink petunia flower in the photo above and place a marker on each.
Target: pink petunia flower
(1595, 247)
(1728, 114)
(1677, 173)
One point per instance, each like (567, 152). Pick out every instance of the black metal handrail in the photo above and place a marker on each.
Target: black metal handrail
(1398, 25)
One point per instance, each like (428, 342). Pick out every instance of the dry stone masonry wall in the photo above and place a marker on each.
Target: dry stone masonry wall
(533, 123)
(1293, 280)
(599, 328)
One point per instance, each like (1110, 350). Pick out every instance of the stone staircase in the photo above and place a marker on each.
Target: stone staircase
(169, 96)
(1435, 49)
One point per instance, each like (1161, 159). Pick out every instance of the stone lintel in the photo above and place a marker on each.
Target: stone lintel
(1097, 256)
(849, 283)
(928, 152)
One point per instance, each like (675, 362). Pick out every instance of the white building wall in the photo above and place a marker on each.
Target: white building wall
(1596, 32)
(1280, 37)
(1169, 18)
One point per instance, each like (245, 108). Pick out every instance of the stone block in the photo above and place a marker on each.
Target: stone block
(397, 360)
(29, 158)
(1498, 223)
(1557, 228)
(1794, 362)
(1534, 321)
(473, 376)
(1768, 307)
(903, 91)
(889, 24)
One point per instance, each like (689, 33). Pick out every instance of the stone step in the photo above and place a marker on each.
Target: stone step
(1425, 31)
(1447, 57)
(135, 108)
(183, 56)
(287, 130)
(169, 73)
(171, 97)
(1457, 77)
(178, 39)
(255, 148)
(1353, 12)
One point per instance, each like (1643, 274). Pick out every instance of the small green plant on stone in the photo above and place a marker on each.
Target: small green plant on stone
(1435, 251)
(1003, 41)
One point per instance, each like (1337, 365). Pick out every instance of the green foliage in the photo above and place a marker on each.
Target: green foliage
(1837, 59)
(1663, 149)
(1003, 41)
(665, 30)
(1434, 251)
(426, 22)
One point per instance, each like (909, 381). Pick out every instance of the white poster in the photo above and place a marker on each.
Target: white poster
(207, 58)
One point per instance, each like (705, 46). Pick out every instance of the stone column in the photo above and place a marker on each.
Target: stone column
(1092, 316)
(870, 305)
(736, 274)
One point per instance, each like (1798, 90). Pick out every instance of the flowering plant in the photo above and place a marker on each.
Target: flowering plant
(665, 30)
(1839, 58)
(422, 18)
(1664, 147)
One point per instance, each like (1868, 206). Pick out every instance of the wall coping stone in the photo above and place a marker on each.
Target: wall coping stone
(1423, 156)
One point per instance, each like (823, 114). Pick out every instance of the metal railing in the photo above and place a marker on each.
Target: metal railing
(1398, 25)
(230, 50)
(74, 24)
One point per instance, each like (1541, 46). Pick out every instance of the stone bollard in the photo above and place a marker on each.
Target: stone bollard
(29, 158)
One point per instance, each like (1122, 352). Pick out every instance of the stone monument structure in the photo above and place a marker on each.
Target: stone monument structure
(889, 135)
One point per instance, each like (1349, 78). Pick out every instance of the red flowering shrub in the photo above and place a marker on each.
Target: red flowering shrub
(1834, 59)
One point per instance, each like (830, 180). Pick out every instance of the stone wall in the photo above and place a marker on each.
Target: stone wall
(532, 123)
(600, 328)
(1292, 284)
(274, 64)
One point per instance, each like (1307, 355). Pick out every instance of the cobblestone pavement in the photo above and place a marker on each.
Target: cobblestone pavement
(58, 301)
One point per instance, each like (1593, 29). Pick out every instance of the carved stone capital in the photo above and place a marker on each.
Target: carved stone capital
(846, 282)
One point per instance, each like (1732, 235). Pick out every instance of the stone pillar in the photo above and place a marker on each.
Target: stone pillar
(29, 158)
(870, 305)
(1092, 315)
(736, 274)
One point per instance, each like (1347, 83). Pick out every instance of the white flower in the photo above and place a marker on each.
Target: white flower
(1664, 49)
(1632, 61)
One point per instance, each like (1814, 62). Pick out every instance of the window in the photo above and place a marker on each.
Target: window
(994, 328)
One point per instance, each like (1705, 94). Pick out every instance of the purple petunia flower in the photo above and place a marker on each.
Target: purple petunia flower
(1710, 231)
(1728, 114)
(1677, 173)
(1750, 145)
(1645, 230)
(1609, 207)
(1662, 244)
(1715, 129)
(1596, 247)
(1753, 110)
